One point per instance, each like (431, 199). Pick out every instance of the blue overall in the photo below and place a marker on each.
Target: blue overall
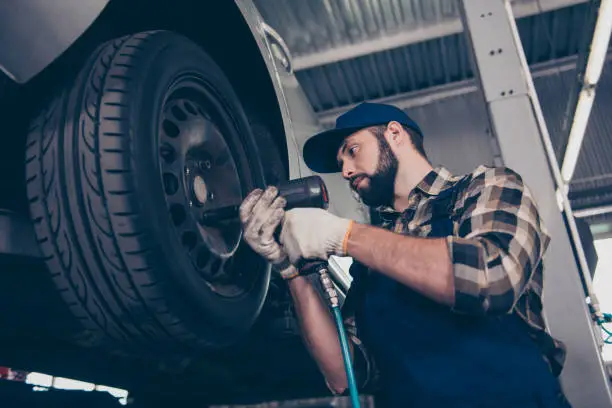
(431, 357)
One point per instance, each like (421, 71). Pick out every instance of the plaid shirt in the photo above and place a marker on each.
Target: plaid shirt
(496, 251)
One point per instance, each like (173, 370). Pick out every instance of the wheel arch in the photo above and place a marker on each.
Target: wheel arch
(228, 31)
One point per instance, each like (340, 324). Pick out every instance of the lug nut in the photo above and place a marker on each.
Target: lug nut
(167, 152)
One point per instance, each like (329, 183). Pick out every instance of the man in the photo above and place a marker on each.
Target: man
(445, 306)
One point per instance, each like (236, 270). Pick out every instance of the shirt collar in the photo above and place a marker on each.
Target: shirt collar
(435, 182)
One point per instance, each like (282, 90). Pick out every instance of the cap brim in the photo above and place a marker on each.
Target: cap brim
(320, 151)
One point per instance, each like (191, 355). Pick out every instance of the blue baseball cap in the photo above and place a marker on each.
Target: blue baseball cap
(321, 149)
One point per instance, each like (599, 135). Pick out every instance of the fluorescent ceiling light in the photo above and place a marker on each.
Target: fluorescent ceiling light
(581, 119)
(599, 45)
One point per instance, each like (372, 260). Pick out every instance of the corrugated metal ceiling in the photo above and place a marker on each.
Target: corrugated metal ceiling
(411, 68)
(314, 26)
(351, 27)
(310, 26)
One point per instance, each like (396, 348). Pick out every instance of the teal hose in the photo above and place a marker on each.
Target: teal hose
(346, 355)
(332, 297)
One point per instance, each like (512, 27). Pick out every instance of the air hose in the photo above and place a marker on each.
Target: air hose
(606, 318)
(332, 297)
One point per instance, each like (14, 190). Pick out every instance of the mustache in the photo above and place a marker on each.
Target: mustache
(356, 177)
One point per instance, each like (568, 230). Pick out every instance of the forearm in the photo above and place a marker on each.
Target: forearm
(319, 332)
(423, 264)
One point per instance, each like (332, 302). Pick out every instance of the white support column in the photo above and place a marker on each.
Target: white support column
(517, 122)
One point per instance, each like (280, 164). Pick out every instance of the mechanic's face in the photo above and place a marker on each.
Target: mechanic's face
(370, 166)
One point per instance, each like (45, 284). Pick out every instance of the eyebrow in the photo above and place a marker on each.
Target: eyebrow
(343, 149)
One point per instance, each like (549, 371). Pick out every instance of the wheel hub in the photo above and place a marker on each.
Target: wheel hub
(200, 175)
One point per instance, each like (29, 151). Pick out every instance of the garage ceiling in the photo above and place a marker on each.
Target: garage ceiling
(348, 51)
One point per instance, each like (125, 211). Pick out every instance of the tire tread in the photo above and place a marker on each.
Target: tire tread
(100, 269)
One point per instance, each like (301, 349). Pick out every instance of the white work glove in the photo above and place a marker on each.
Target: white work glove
(260, 214)
(313, 233)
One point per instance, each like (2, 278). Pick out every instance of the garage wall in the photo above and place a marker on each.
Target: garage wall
(456, 132)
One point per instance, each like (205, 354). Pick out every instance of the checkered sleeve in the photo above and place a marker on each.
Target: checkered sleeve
(498, 243)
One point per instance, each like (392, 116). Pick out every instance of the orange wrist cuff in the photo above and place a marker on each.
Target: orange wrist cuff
(294, 274)
(346, 238)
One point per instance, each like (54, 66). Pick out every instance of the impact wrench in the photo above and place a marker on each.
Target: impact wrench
(306, 192)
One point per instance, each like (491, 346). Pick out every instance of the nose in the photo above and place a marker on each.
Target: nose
(347, 170)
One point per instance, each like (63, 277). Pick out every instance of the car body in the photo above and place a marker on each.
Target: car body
(45, 46)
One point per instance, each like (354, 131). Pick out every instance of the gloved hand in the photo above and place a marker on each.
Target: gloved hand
(313, 233)
(260, 214)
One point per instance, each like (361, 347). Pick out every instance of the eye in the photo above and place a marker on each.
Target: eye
(353, 149)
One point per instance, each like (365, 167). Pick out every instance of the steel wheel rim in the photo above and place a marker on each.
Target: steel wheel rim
(201, 171)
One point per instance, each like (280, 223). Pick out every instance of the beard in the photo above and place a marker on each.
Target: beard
(381, 186)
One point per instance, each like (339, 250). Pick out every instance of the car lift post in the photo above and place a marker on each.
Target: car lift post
(518, 125)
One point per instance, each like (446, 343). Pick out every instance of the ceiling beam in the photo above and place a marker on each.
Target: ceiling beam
(416, 35)
(593, 211)
(426, 96)
(387, 42)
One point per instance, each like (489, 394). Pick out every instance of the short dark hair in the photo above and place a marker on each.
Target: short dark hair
(415, 138)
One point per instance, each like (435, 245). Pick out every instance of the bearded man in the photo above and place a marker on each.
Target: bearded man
(445, 305)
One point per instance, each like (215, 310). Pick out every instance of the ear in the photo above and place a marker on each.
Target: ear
(395, 133)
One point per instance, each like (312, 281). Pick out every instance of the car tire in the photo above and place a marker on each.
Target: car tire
(120, 167)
